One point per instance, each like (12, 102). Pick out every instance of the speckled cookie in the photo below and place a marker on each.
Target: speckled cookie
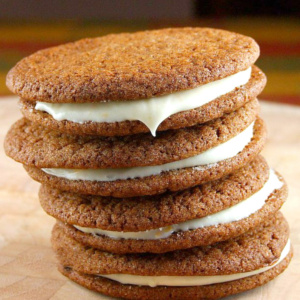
(182, 239)
(146, 213)
(214, 109)
(40, 147)
(251, 251)
(205, 292)
(149, 212)
(119, 67)
(174, 180)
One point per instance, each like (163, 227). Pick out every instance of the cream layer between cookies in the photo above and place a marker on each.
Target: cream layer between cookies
(154, 281)
(207, 158)
(152, 112)
(234, 213)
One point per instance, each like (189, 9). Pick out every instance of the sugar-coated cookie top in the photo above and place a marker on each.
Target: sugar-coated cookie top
(131, 66)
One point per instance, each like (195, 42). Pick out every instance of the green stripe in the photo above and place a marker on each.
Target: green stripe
(9, 58)
(286, 63)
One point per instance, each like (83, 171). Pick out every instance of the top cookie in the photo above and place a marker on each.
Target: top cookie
(131, 66)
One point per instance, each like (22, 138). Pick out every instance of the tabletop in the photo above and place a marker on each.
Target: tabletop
(27, 263)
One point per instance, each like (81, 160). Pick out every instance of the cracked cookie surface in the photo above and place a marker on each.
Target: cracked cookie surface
(119, 67)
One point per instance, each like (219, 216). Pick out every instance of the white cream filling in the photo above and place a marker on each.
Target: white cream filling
(153, 281)
(149, 111)
(221, 152)
(237, 212)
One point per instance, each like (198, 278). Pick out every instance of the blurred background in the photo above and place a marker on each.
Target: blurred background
(27, 26)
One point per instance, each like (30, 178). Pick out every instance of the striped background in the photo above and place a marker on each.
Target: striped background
(279, 40)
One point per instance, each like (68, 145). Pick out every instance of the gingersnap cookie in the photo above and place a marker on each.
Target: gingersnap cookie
(225, 224)
(81, 164)
(131, 66)
(173, 180)
(129, 83)
(148, 212)
(207, 272)
(201, 215)
(43, 148)
(211, 110)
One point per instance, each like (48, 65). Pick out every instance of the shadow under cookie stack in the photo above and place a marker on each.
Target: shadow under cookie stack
(147, 147)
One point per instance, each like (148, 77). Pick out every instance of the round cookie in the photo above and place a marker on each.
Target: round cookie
(40, 147)
(214, 109)
(119, 67)
(251, 251)
(182, 239)
(156, 184)
(149, 212)
(209, 292)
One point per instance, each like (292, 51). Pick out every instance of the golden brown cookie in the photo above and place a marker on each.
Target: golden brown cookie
(254, 250)
(174, 180)
(214, 109)
(36, 146)
(119, 67)
(141, 214)
(182, 239)
(149, 212)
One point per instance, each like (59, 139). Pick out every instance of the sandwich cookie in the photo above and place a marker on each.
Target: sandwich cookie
(201, 215)
(192, 66)
(157, 114)
(207, 272)
(140, 164)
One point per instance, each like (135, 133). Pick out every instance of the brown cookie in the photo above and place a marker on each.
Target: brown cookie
(182, 239)
(131, 66)
(40, 147)
(214, 109)
(255, 249)
(174, 180)
(209, 292)
(149, 212)
(251, 251)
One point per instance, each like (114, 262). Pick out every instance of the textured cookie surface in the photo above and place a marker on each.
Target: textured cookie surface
(253, 250)
(174, 180)
(215, 109)
(132, 66)
(183, 239)
(43, 148)
(148, 212)
(216, 291)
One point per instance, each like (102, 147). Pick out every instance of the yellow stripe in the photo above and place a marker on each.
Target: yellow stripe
(282, 30)
(60, 32)
(35, 32)
(283, 83)
(3, 88)
(100, 30)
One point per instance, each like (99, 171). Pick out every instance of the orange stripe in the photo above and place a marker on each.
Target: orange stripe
(279, 48)
(295, 100)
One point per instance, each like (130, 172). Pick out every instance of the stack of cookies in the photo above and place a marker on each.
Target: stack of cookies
(147, 147)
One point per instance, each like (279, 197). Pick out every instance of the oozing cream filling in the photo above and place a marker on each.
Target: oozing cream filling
(191, 280)
(151, 111)
(221, 152)
(237, 212)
